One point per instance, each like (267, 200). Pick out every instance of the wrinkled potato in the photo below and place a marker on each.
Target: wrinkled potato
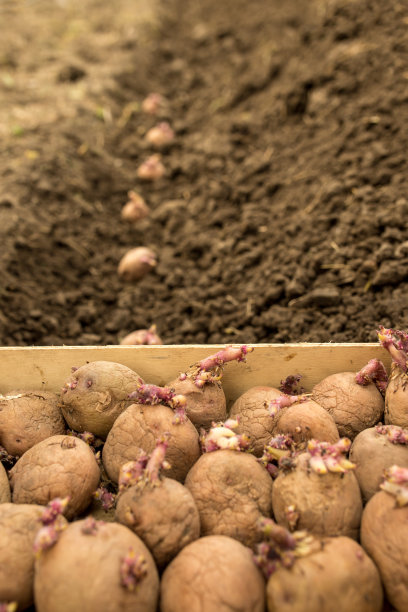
(254, 419)
(5, 495)
(28, 417)
(137, 430)
(384, 535)
(215, 574)
(231, 491)
(373, 453)
(59, 466)
(164, 516)
(305, 421)
(19, 525)
(396, 398)
(353, 407)
(338, 576)
(204, 406)
(327, 504)
(82, 571)
(96, 394)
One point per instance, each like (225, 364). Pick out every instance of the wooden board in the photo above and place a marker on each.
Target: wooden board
(49, 367)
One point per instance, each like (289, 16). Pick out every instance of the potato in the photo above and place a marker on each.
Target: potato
(96, 394)
(59, 466)
(231, 491)
(304, 421)
(213, 574)
(372, 453)
(384, 535)
(164, 516)
(19, 525)
(5, 495)
(353, 407)
(396, 398)
(327, 504)
(28, 417)
(83, 571)
(137, 430)
(204, 405)
(338, 576)
(254, 419)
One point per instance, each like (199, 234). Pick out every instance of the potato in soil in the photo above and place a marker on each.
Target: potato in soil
(19, 524)
(326, 504)
(373, 452)
(28, 417)
(59, 466)
(353, 407)
(96, 394)
(338, 577)
(5, 494)
(384, 536)
(215, 574)
(163, 515)
(204, 405)
(137, 430)
(231, 491)
(86, 571)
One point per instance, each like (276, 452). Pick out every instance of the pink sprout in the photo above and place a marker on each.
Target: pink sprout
(289, 386)
(292, 516)
(394, 433)
(48, 535)
(180, 416)
(133, 569)
(132, 472)
(326, 457)
(396, 483)
(209, 370)
(157, 460)
(284, 401)
(10, 606)
(153, 103)
(152, 395)
(54, 508)
(223, 437)
(396, 343)
(160, 136)
(279, 547)
(135, 208)
(374, 372)
(90, 526)
(87, 437)
(151, 169)
(147, 469)
(106, 498)
(280, 446)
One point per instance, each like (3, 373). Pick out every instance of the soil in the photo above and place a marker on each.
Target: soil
(282, 216)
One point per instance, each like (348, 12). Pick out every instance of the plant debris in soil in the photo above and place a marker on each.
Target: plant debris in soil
(282, 215)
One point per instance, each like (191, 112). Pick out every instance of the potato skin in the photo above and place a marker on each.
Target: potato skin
(204, 406)
(82, 572)
(138, 428)
(18, 527)
(56, 467)
(99, 395)
(373, 453)
(304, 421)
(254, 419)
(353, 407)
(339, 576)
(328, 504)
(231, 491)
(164, 516)
(215, 574)
(384, 536)
(5, 494)
(28, 417)
(396, 398)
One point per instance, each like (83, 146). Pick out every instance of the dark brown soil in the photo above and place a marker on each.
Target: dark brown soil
(288, 179)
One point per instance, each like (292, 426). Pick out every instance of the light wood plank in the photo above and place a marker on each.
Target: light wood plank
(49, 367)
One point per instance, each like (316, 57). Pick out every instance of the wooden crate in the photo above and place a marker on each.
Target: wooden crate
(49, 367)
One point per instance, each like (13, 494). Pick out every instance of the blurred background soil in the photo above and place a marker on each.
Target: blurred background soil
(283, 215)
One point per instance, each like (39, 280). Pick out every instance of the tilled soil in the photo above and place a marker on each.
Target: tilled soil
(282, 216)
